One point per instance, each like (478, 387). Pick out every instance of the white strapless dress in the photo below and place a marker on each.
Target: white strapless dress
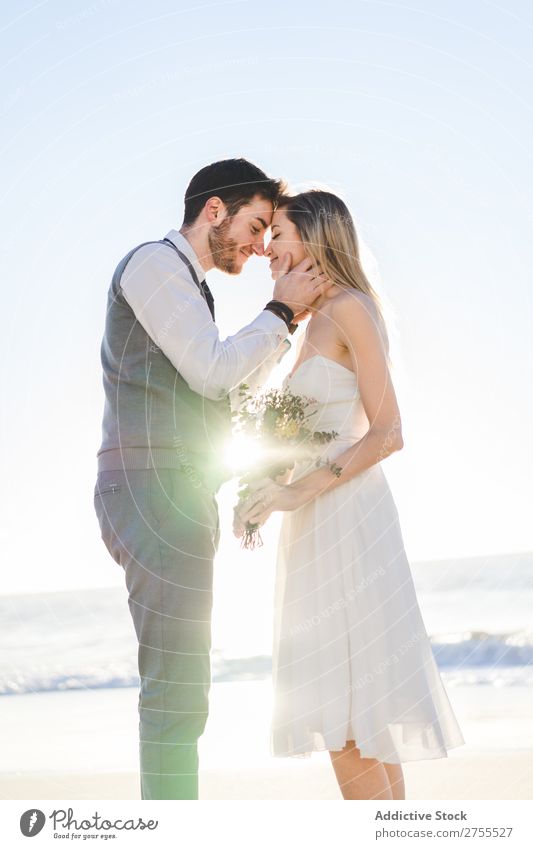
(351, 657)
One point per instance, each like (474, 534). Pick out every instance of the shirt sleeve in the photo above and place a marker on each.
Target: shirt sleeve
(172, 311)
(258, 377)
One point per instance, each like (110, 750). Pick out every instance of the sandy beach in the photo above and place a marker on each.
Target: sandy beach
(82, 744)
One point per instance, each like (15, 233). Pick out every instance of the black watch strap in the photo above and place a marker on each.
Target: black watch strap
(282, 310)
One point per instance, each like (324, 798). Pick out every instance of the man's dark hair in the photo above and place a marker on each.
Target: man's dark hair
(234, 181)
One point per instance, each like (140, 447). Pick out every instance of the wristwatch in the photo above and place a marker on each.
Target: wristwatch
(284, 312)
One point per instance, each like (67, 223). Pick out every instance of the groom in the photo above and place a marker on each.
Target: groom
(168, 379)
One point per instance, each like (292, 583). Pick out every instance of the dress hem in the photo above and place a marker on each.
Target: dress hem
(429, 754)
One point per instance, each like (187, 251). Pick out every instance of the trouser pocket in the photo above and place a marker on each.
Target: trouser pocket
(110, 491)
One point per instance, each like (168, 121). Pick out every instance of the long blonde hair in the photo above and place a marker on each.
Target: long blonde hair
(326, 228)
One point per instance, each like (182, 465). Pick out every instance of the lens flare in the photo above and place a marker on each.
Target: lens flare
(242, 452)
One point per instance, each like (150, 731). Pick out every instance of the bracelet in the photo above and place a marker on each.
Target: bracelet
(282, 310)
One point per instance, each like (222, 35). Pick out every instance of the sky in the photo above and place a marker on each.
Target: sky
(418, 113)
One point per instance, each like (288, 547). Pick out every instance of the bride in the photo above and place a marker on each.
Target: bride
(353, 670)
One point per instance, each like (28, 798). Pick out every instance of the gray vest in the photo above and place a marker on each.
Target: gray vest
(152, 419)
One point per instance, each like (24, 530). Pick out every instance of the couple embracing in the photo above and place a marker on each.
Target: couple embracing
(353, 670)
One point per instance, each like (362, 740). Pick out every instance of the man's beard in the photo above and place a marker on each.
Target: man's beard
(223, 249)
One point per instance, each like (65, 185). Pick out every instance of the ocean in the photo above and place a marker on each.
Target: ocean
(478, 612)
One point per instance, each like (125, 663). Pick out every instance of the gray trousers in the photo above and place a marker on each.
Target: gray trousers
(162, 528)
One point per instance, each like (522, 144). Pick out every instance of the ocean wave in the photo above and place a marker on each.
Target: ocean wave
(481, 648)
(466, 657)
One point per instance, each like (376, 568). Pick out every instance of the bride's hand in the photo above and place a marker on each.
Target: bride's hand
(240, 509)
(265, 498)
(238, 525)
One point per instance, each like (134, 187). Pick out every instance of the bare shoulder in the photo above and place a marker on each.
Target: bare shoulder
(352, 306)
(359, 321)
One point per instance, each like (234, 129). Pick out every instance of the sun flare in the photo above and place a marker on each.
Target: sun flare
(242, 452)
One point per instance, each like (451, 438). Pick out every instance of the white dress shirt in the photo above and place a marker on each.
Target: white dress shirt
(168, 304)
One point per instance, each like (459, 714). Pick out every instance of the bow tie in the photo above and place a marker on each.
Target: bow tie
(208, 297)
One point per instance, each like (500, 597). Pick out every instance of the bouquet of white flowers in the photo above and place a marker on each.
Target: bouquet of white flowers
(274, 427)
